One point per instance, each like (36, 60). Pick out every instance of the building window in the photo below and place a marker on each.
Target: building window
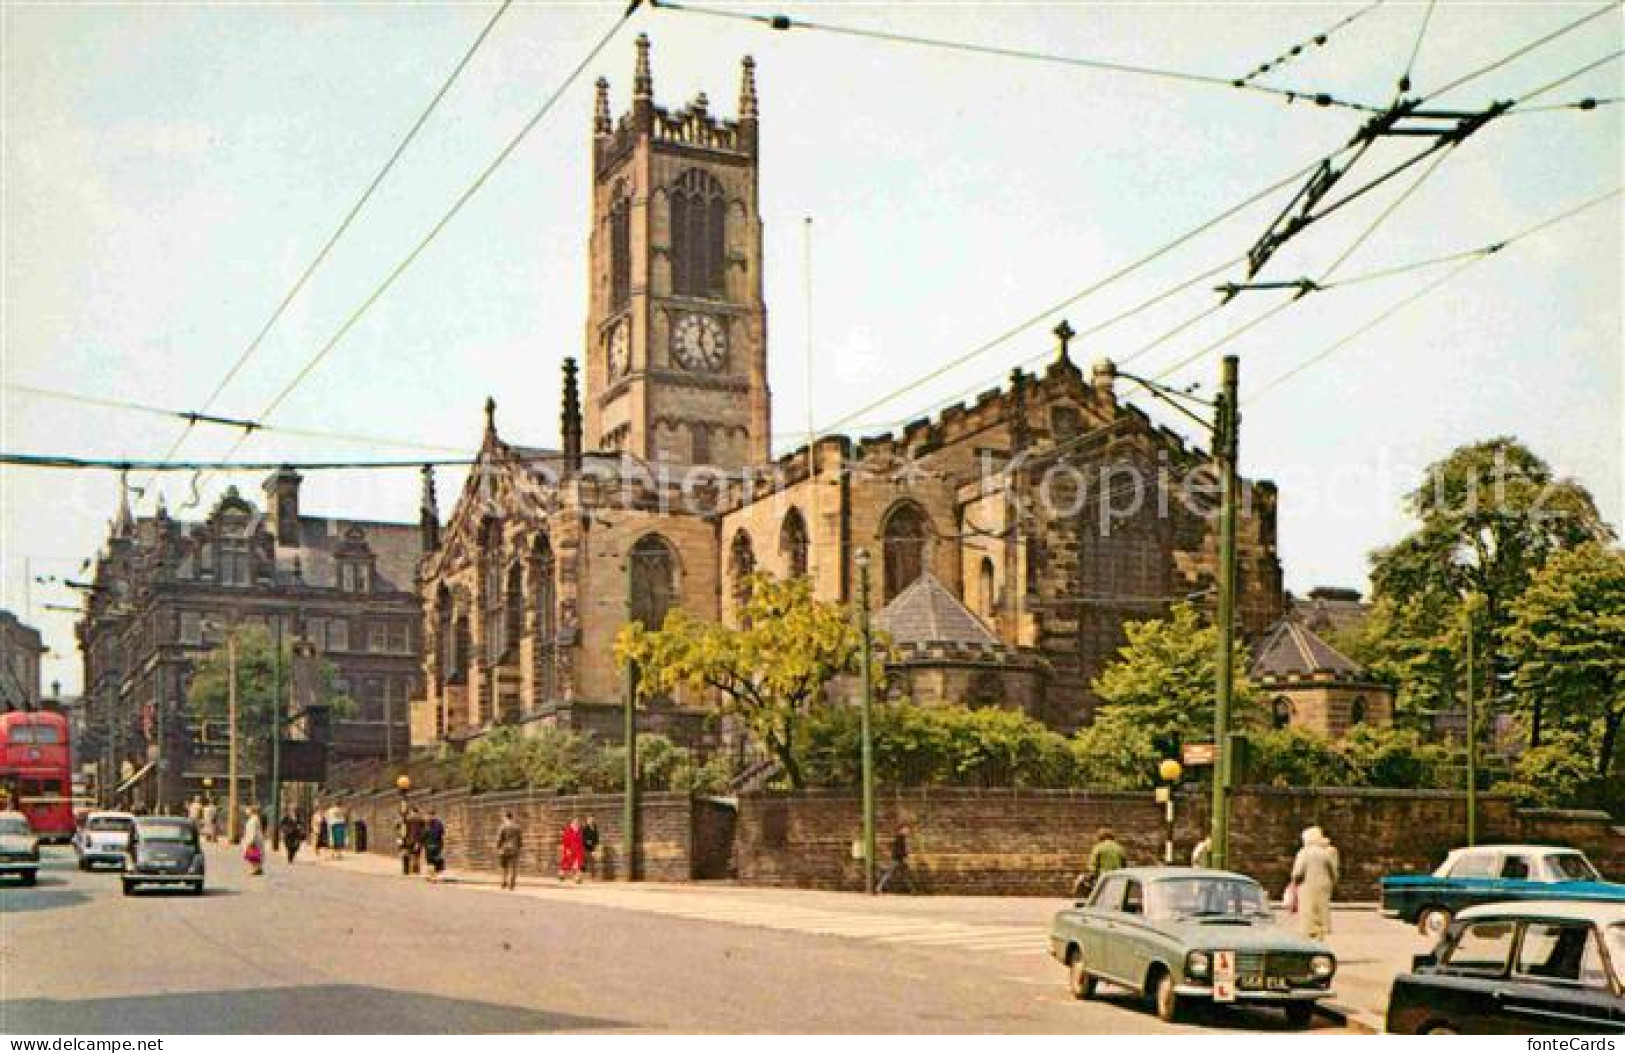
(236, 564)
(355, 575)
(190, 628)
(700, 439)
(654, 581)
(1280, 712)
(985, 588)
(389, 638)
(1065, 423)
(491, 592)
(741, 565)
(1357, 711)
(793, 544)
(698, 245)
(338, 635)
(620, 248)
(513, 611)
(903, 548)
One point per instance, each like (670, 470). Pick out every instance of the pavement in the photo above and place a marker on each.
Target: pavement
(352, 947)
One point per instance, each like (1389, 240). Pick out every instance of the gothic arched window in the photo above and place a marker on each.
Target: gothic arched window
(903, 547)
(444, 638)
(513, 611)
(620, 248)
(1357, 712)
(654, 581)
(698, 247)
(543, 594)
(985, 586)
(793, 544)
(741, 565)
(492, 587)
(1065, 423)
(1280, 712)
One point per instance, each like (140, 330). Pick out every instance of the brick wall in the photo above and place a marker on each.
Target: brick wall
(1034, 842)
(472, 820)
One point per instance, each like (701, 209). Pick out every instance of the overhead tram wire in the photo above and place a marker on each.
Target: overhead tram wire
(1416, 48)
(1519, 52)
(785, 22)
(1090, 290)
(343, 226)
(197, 417)
(1296, 51)
(1395, 308)
(445, 220)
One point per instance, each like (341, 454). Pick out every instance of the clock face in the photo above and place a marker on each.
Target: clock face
(620, 349)
(699, 343)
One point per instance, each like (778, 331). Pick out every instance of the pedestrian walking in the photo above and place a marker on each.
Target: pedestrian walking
(337, 824)
(293, 834)
(1314, 879)
(589, 846)
(1202, 854)
(571, 852)
(1106, 856)
(898, 870)
(211, 821)
(434, 846)
(409, 839)
(194, 812)
(254, 842)
(510, 843)
(324, 837)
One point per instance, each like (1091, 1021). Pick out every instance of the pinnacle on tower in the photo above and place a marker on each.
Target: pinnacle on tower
(490, 419)
(747, 89)
(1063, 337)
(570, 418)
(124, 524)
(600, 114)
(643, 81)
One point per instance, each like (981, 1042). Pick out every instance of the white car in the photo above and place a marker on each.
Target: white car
(104, 838)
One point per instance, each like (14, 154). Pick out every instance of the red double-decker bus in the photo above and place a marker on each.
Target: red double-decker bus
(36, 771)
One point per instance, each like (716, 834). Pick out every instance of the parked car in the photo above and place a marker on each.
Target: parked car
(103, 837)
(164, 850)
(1493, 874)
(1178, 935)
(1549, 967)
(19, 848)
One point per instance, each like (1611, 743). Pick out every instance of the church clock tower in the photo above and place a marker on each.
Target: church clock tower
(676, 327)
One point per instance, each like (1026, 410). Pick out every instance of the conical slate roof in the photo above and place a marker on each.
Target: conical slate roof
(1293, 649)
(926, 612)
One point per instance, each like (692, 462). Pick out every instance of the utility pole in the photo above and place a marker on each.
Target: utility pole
(862, 560)
(231, 737)
(278, 711)
(629, 716)
(1472, 728)
(1226, 446)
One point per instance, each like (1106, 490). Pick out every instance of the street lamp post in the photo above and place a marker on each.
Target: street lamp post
(861, 558)
(1170, 771)
(1472, 725)
(231, 737)
(629, 733)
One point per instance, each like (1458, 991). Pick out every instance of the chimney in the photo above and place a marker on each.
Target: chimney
(429, 513)
(570, 419)
(282, 502)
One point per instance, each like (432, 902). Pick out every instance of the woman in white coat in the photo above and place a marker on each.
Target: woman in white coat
(1314, 879)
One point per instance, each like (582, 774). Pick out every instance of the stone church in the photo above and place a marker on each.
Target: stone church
(1010, 538)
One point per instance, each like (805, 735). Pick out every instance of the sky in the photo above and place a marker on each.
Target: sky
(169, 170)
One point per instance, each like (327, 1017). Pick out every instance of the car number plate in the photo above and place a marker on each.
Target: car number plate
(1264, 983)
(1224, 976)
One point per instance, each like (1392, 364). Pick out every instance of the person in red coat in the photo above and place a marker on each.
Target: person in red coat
(572, 852)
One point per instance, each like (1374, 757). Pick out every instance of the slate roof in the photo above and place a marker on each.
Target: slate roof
(926, 612)
(1292, 649)
(395, 547)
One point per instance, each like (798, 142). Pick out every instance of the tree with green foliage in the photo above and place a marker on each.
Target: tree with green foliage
(1491, 514)
(1115, 753)
(260, 673)
(934, 746)
(1567, 638)
(1163, 679)
(769, 672)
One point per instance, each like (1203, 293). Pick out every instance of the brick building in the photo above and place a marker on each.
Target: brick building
(1048, 510)
(20, 650)
(165, 590)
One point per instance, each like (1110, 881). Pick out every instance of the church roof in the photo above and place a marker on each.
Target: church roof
(926, 612)
(1293, 649)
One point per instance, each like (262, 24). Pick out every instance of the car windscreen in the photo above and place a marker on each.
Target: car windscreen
(109, 824)
(13, 824)
(1205, 897)
(168, 833)
(1572, 866)
(1615, 935)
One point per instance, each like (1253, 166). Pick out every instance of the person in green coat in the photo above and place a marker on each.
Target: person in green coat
(1106, 856)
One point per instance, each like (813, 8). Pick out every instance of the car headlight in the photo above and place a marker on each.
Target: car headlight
(1197, 963)
(1322, 965)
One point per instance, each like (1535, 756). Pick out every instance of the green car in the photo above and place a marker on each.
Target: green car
(1178, 935)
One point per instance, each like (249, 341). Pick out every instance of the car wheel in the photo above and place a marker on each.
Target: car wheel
(1079, 981)
(1167, 1003)
(196, 890)
(31, 876)
(1440, 1029)
(129, 887)
(84, 864)
(1299, 1014)
(1432, 922)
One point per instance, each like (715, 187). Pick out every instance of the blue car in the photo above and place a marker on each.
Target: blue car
(1493, 874)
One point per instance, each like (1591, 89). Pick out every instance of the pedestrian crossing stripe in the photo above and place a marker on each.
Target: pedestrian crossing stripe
(885, 930)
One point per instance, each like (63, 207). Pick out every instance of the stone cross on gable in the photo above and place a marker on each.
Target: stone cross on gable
(1064, 334)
